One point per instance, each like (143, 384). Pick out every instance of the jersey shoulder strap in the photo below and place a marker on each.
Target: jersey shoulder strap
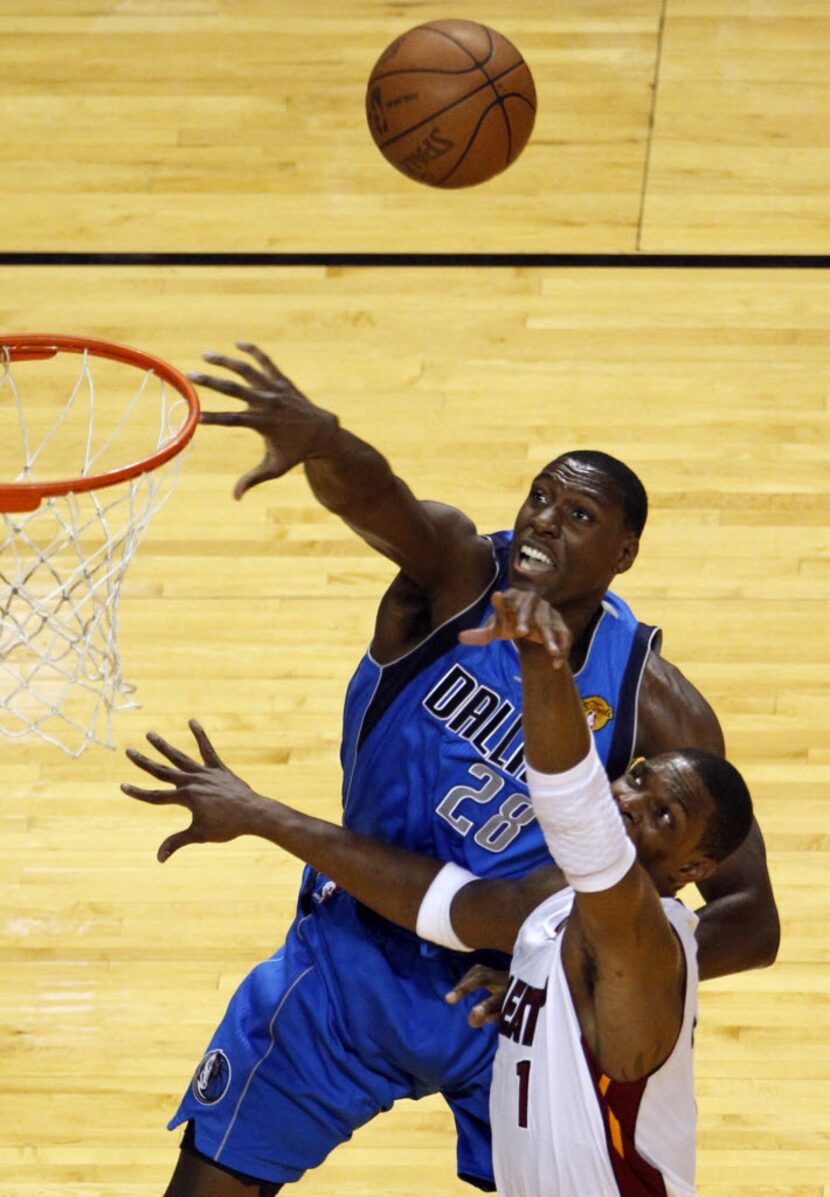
(616, 661)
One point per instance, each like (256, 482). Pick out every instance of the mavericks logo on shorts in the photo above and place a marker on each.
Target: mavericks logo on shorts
(212, 1078)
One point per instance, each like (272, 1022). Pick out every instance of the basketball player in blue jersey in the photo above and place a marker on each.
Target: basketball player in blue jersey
(433, 762)
(592, 1092)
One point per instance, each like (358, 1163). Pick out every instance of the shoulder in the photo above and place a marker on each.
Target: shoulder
(672, 712)
(410, 610)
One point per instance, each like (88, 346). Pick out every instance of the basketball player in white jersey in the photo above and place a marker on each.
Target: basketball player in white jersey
(592, 1091)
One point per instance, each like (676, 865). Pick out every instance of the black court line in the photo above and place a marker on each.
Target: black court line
(517, 260)
(652, 116)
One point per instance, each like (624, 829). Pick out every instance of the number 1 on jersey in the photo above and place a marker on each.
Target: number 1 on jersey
(523, 1072)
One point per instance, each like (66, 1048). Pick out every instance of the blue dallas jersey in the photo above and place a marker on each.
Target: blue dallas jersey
(349, 1016)
(432, 749)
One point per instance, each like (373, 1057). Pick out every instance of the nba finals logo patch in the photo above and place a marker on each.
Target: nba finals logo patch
(598, 711)
(212, 1078)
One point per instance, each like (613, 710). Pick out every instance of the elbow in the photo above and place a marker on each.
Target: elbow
(769, 942)
(736, 943)
(763, 945)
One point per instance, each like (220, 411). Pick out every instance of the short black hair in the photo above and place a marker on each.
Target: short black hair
(729, 824)
(632, 491)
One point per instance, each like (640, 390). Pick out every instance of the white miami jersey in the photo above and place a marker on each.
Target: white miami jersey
(560, 1127)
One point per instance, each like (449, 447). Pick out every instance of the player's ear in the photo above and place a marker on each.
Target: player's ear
(627, 555)
(697, 869)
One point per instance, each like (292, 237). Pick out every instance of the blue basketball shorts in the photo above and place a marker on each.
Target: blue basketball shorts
(345, 1019)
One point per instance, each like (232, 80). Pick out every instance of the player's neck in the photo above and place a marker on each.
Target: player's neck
(581, 624)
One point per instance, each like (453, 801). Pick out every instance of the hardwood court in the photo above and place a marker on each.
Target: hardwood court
(663, 125)
(713, 385)
(215, 126)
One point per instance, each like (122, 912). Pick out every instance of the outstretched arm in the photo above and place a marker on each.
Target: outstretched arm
(739, 926)
(393, 882)
(618, 932)
(429, 542)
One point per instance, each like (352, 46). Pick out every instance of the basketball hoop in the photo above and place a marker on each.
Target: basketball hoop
(72, 518)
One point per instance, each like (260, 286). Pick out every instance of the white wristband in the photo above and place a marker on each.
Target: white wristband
(434, 922)
(583, 828)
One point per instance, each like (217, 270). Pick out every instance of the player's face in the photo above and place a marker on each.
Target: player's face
(570, 538)
(665, 807)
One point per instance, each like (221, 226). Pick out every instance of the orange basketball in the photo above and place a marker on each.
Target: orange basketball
(451, 103)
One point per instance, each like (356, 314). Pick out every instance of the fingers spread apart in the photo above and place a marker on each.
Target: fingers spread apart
(161, 772)
(154, 797)
(261, 357)
(209, 754)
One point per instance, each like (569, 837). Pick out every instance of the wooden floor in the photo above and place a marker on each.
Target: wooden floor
(200, 125)
(713, 385)
(147, 126)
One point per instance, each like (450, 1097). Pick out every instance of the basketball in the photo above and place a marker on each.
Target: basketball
(451, 103)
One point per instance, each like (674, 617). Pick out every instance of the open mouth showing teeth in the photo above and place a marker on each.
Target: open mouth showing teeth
(532, 558)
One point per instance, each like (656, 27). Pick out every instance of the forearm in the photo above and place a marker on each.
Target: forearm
(348, 474)
(583, 829)
(389, 880)
(355, 482)
(393, 882)
(555, 729)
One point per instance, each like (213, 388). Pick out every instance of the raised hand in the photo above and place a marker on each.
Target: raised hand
(294, 429)
(524, 615)
(481, 977)
(221, 804)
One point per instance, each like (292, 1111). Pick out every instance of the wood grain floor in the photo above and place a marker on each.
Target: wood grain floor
(238, 125)
(212, 125)
(713, 385)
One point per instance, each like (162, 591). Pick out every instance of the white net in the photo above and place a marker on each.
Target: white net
(62, 565)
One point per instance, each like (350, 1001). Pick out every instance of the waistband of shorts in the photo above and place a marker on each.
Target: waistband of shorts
(319, 890)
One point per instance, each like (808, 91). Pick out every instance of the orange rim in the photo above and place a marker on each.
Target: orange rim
(27, 496)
